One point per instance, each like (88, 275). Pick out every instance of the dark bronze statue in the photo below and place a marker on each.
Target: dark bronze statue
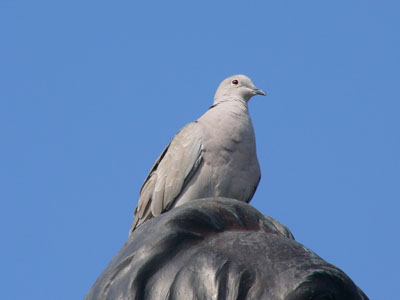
(219, 248)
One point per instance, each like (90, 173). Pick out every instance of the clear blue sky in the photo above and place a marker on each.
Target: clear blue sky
(92, 91)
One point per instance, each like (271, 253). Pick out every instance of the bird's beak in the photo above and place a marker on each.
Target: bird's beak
(260, 92)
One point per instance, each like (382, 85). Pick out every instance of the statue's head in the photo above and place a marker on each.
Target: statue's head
(219, 249)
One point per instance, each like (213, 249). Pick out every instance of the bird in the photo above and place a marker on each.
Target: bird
(214, 156)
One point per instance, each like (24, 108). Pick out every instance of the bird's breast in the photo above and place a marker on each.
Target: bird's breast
(229, 165)
(231, 141)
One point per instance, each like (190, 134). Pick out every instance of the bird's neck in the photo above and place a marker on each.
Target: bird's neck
(234, 102)
(225, 109)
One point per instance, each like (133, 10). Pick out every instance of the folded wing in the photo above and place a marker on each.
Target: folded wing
(170, 174)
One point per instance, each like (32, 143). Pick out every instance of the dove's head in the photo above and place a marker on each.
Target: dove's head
(237, 87)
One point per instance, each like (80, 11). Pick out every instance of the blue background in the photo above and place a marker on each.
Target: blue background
(92, 91)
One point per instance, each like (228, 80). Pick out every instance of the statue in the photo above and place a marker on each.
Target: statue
(219, 248)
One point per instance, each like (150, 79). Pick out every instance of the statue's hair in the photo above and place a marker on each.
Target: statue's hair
(219, 248)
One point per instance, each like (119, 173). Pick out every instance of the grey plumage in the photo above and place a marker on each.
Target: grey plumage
(214, 156)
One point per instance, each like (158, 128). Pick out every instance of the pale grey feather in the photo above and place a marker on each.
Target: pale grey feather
(169, 174)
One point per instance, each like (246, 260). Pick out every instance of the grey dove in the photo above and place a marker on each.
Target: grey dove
(214, 156)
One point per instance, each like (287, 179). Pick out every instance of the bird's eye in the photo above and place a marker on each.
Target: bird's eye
(235, 81)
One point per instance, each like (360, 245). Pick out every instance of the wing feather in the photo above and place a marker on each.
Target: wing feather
(170, 174)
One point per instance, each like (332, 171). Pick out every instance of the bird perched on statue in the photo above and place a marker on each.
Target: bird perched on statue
(214, 156)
